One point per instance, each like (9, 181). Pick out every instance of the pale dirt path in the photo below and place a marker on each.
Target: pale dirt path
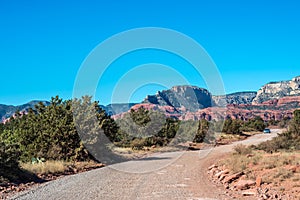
(184, 178)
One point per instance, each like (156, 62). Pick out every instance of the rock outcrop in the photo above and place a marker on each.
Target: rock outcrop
(276, 90)
(234, 98)
(188, 98)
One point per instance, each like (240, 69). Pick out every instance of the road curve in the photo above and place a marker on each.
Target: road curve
(177, 175)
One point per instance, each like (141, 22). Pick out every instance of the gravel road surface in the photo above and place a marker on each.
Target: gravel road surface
(176, 175)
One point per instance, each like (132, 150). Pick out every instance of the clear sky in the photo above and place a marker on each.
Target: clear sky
(43, 43)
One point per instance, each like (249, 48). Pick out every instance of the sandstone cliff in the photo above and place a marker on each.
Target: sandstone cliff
(276, 90)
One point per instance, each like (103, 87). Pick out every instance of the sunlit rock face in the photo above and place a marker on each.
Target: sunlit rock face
(276, 90)
(182, 98)
(234, 98)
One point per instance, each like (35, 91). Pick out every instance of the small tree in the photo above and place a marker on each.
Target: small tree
(232, 126)
(202, 131)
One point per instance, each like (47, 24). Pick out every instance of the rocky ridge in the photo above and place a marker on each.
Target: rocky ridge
(191, 98)
(276, 90)
(234, 98)
(273, 101)
(7, 111)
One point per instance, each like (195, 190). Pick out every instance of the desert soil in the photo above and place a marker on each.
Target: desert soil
(175, 175)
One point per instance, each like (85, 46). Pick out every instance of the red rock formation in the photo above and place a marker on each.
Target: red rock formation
(275, 109)
(286, 100)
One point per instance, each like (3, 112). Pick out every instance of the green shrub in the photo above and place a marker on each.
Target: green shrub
(9, 165)
(143, 127)
(255, 124)
(50, 132)
(9, 156)
(232, 126)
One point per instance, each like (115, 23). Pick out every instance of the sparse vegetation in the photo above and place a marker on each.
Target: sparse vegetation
(56, 167)
(289, 140)
(276, 161)
(260, 161)
(278, 171)
(48, 167)
(241, 149)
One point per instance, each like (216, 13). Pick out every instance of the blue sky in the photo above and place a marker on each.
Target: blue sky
(44, 43)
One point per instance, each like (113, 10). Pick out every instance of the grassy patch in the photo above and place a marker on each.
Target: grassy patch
(242, 149)
(233, 137)
(129, 153)
(46, 167)
(58, 167)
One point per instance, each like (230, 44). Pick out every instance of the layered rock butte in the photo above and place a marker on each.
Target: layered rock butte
(274, 100)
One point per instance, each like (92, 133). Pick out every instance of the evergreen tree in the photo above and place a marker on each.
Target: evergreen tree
(294, 126)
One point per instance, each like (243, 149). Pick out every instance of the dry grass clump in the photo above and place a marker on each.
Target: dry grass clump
(59, 167)
(83, 165)
(48, 167)
(244, 156)
(241, 149)
(282, 173)
(236, 163)
(233, 137)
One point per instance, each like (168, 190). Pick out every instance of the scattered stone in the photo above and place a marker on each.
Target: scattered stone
(222, 177)
(243, 177)
(265, 196)
(214, 170)
(193, 148)
(294, 168)
(249, 193)
(244, 184)
(226, 171)
(192, 144)
(231, 178)
(258, 181)
(212, 166)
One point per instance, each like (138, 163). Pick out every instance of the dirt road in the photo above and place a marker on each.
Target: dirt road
(177, 175)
